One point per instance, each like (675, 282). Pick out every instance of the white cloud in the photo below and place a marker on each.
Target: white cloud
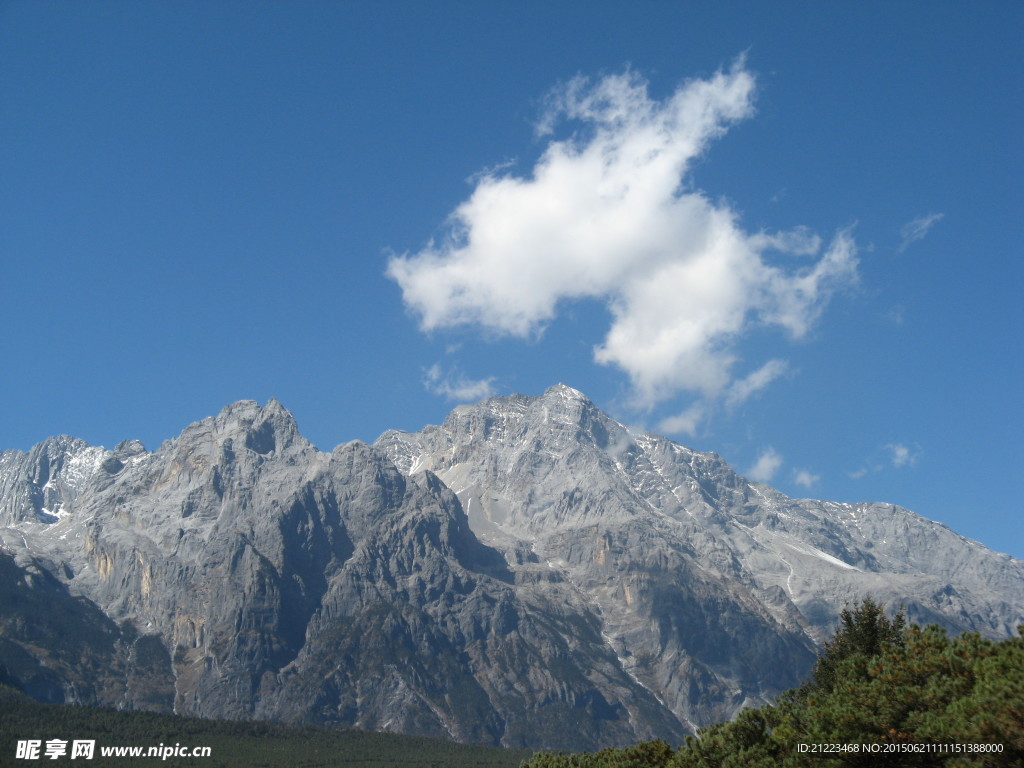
(800, 241)
(767, 464)
(901, 456)
(684, 423)
(739, 391)
(897, 315)
(454, 386)
(915, 230)
(895, 455)
(805, 478)
(609, 214)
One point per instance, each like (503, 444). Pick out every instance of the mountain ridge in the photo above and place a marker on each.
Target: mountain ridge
(536, 557)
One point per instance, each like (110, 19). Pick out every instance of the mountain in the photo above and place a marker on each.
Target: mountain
(710, 587)
(528, 573)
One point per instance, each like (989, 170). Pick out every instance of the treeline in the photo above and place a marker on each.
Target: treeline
(232, 743)
(881, 693)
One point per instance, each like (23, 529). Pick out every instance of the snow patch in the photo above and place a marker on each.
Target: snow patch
(806, 549)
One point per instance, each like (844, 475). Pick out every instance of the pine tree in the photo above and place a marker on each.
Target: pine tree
(864, 632)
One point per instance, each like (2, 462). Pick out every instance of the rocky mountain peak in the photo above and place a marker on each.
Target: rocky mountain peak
(265, 430)
(129, 448)
(565, 392)
(562, 409)
(559, 417)
(42, 483)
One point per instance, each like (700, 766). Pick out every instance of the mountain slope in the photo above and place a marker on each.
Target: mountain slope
(529, 573)
(709, 585)
(286, 583)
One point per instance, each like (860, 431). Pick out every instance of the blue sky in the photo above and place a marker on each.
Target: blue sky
(789, 233)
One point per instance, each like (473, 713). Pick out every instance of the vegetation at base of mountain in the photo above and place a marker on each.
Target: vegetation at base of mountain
(232, 743)
(881, 693)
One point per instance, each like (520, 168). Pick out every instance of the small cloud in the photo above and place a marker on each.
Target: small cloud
(805, 478)
(901, 456)
(492, 170)
(799, 242)
(889, 456)
(915, 230)
(684, 423)
(897, 315)
(766, 466)
(454, 386)
(739, 391)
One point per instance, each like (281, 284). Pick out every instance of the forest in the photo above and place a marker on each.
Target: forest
(232, 743)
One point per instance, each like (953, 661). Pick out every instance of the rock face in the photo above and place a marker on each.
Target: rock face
(529, 573)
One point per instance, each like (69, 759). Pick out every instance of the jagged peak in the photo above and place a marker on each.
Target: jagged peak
(130, 448)
(54, 452)
(62, 442)
(263, 429)
(566, 392)
(274, 406)
(575, 405)
(239, 408)
(246, 410)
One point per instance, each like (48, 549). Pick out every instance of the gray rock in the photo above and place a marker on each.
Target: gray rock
(529, 573)
(712, 589)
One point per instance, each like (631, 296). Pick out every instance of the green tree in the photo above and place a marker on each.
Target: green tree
(879, 686)
(894, 695)
(863, 633)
